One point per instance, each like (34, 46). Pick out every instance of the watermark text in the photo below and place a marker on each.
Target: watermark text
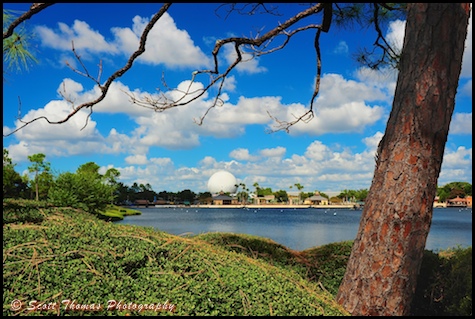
(73, 305)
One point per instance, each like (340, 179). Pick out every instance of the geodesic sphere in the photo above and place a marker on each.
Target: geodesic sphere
(222, 181)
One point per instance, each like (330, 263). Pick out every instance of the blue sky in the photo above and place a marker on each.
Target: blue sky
(168, 150)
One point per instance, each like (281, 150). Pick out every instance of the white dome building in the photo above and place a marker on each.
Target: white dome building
(222, 181)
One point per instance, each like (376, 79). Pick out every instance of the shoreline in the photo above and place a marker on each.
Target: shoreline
(255, 206)
(275, 206)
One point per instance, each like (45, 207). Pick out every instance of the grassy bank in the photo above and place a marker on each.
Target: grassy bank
(114, 213)
(53, 255)
(71, 255)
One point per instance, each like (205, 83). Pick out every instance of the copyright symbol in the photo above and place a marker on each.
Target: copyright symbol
(16, 305)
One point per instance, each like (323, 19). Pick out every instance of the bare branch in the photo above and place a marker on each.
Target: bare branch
(285, 126)
(86, 72)
(387, 49)
(258, 46)
(104, 88)
(34, 9)
(388, 55)
(247, 9)
(307, 116)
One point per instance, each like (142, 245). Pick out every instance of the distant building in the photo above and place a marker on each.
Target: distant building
(206, 201)
(223, 199)
(294, 198)
(161, 202)
(458, 202)
(142, 202)
(316, 199)
(263, 200)
(438, 203)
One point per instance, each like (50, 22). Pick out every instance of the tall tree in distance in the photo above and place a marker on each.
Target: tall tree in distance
(13, 184)
(299, 187)
(111, 176)
(38, 165)
(387, 253)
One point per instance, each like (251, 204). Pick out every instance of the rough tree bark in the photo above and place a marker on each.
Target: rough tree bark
(386, 257)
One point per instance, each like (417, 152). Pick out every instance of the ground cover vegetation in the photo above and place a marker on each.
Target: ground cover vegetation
(53, 254)
(72, 255)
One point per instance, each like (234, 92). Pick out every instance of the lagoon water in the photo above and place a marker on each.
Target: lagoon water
(297, 229)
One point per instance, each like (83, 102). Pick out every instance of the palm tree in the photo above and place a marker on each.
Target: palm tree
(299, 187)
(256, 185)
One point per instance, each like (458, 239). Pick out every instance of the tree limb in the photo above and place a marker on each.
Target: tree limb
(163, 103)
(34, 9)
(104, 88)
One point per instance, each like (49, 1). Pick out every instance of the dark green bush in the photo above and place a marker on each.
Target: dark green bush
(84, 191)
(24, 211)
(444, 285)
(327, 264)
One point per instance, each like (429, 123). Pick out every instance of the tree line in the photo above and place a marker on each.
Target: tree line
(88, 189)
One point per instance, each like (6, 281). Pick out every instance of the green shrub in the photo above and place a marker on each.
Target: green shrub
(84, 191)
(327, 264)
(23, 211)
(252, 246)
(444, 285)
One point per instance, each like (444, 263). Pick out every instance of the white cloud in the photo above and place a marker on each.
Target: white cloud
(20, 152)
(57, 110)
(384, 79)
(242, 154)
(273, 152)
(175, 129)
(457, 158)
(84, 37)
(336, 91)
(341, 107)
(137, 159)
(372, 142)
(208, 162)
(456, 166)
(230, 83)
(70, 89)
(318, 151)
(467, 54)
(166, 44)
(341, 48)
(395, 35)
(461, 123)
(466, 89)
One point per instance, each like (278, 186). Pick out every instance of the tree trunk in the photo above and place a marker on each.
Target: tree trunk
(382, 271)
(36, 186)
